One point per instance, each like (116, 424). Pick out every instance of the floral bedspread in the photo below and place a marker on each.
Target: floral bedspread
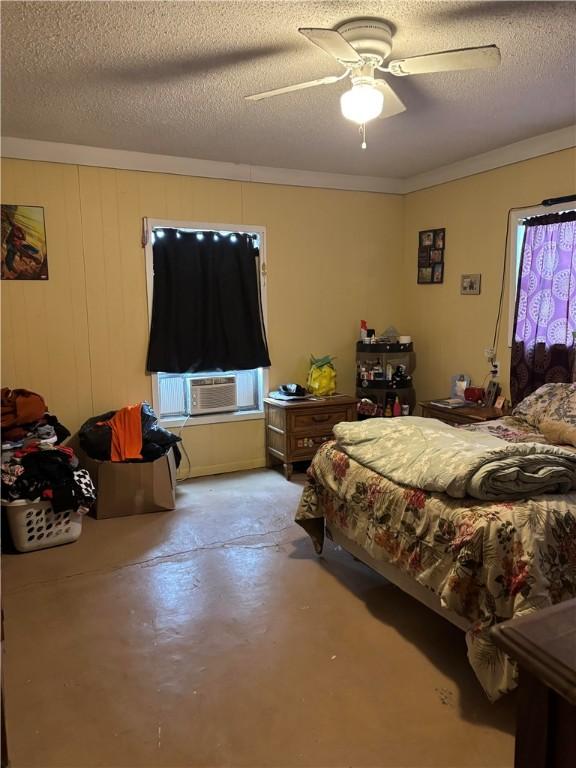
(487, 561)
(434, 456)
(513, 430)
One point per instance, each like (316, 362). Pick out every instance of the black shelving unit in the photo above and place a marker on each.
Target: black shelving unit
(375, 363)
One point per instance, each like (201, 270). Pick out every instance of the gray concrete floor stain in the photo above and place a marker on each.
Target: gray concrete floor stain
(213, 636)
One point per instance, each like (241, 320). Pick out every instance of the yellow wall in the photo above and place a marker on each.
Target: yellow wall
(80, 338)
(451, 331)
(333, 258)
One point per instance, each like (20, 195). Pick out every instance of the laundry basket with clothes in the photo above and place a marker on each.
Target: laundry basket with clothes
(44, 492)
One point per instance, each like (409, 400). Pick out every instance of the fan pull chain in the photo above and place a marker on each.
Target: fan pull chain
(362, 130)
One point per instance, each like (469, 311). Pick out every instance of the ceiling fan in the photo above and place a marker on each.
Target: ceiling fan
(361, 47)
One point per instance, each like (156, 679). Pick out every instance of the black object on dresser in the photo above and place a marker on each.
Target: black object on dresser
(377, 375)
(295, 429)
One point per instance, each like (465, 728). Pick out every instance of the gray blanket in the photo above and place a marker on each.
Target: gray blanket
(428, 454)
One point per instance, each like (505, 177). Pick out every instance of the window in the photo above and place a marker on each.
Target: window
(208, 391)
(517, 230)
(544, 326)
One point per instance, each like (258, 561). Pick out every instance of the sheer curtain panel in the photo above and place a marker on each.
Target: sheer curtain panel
(545, 317)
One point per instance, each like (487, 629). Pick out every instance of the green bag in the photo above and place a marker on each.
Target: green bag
(322, 376)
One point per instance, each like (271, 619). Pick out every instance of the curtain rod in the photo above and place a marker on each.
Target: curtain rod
(548, 202)
(558, 200)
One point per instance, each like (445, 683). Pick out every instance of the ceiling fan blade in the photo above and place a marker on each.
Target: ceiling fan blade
(333, 44)
(484, 57)
(393, 104)
(296, 87)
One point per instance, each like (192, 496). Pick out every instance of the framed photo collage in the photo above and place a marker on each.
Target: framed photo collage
(431, 244)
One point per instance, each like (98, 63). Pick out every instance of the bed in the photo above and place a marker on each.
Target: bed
(475, 562)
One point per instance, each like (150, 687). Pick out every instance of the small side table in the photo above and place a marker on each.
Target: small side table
(544, 644)
(466, 414)
(295, 429)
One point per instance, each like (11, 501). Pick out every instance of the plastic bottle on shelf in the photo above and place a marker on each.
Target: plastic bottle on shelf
(397, 408)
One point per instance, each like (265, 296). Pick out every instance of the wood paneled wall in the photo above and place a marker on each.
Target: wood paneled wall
(80, 338)
(45, 324)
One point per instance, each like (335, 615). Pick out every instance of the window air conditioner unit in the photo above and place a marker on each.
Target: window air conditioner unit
(216, 394)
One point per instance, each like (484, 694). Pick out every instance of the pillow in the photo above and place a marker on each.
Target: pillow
(558, 432)
(550, 401)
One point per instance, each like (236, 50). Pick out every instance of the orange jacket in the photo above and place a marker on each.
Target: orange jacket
(126, 425)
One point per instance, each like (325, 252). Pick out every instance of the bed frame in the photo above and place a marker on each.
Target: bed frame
(398, 578)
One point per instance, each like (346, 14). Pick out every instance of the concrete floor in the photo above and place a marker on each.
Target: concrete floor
(213, 636)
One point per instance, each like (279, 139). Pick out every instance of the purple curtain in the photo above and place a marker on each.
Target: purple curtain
(545, 318)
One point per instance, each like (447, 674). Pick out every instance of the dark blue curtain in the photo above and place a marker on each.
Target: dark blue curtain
(206, 311)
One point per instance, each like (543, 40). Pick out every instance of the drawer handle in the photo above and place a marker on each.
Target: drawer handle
(323, 417)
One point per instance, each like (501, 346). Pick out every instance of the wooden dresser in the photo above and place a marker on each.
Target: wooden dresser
(295, 429)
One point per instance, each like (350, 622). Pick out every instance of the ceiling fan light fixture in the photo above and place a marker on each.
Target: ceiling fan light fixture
(362, 103)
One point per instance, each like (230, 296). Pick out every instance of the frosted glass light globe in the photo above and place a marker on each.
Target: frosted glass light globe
(362, 103)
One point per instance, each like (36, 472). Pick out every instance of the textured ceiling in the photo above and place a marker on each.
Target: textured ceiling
(169, 78)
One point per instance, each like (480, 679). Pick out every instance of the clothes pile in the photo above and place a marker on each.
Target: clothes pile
(130, 434)
(25, 418)
(34, 464)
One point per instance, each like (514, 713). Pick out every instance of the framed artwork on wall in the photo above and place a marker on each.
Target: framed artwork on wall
(24, 255)
(470, 284)
(425, 274)
(431, 243)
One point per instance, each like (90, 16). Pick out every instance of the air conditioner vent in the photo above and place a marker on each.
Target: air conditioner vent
(214, 394)
(172, 396)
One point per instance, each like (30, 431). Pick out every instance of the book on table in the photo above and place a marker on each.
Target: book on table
(450, 402)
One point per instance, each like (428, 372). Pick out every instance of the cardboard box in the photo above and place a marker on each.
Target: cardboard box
(131, 488)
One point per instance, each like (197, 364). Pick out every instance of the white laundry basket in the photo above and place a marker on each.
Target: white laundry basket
(35, 525)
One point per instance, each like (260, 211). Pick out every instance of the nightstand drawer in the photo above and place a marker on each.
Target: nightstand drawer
(447, 416)
(319, 421)
(464, 415)
(307, 445)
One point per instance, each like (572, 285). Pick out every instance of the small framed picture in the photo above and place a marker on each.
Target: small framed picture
(425, 274)
(470, 284)
(436, 256)
(458, 385)
(427, 238)
(492, 392)
(499, 402)
(439, 239)
(438, 272)
(424, 257)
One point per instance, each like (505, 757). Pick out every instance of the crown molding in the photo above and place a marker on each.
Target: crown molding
(76, 154)
(544, 144)
(55, 152)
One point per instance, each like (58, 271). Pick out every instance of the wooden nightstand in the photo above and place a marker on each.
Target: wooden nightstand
(544, 644)
(295, 429)
(464, 415)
